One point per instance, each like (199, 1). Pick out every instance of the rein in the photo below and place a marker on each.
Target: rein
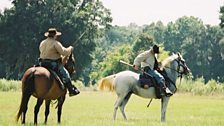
(180, 74)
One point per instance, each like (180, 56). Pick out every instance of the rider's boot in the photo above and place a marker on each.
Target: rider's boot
(72, 89)
(168, 92)
(165, 90)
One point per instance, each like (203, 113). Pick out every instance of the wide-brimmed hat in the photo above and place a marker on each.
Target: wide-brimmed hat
(52, 31)
(156, 49)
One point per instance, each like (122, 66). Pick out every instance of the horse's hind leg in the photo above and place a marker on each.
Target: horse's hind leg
(25, 101)
(47, 110)
(37, 108)
(164, 103)
(119, 100)
(118, 103)
(123, 104)
(60, 103)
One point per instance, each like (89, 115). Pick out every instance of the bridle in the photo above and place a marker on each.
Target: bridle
(181, 63)
(70, 65)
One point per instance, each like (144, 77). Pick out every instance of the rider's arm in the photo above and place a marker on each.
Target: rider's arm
(62, 50)
(141, 57)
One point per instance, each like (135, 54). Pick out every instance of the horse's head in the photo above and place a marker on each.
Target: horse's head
(69, 63)
(175, 66)
(182, 66)
(176, 63)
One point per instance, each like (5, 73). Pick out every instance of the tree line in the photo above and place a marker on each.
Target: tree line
(201, 45)
(98, 46)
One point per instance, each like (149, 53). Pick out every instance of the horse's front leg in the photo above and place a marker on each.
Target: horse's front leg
(47, 110)
(60, 103)
(36, 110)
(164, 103)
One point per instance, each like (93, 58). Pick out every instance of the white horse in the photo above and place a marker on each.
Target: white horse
(126, 82)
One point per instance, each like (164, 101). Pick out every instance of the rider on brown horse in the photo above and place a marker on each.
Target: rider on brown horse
(51, 52)
(149, 63)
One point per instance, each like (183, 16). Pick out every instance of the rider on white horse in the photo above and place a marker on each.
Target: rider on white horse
(149, 63)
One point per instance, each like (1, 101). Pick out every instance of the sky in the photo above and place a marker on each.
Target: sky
(5, 4)
(143, 12)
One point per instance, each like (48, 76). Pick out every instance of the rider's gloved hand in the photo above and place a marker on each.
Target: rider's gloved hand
(71, 48)
(135, 67)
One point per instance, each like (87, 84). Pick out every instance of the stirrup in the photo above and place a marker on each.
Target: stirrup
(169, 94)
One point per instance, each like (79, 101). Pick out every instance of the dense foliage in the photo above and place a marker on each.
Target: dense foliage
(201, 45)
(22, 28)
(85, 24)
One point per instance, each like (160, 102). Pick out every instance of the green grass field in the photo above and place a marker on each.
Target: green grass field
(96, 108)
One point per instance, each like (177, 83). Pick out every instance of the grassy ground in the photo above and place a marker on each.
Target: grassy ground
(96, 109)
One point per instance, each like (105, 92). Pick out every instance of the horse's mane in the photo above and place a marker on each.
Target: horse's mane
(168, 60)
(66, 58)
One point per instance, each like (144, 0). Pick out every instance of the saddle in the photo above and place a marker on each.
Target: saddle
(147, 81)
(55, 76)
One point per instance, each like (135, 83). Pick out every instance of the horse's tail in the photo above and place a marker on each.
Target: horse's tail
(107, 82)
(27, 90)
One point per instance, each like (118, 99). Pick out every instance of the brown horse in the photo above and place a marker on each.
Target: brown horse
(40, 83)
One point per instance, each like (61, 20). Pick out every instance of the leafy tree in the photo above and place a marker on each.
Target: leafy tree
(111, 64)
(202, 52)
(143, 42)
(214, 38)
(122, 34)
(22, 28)
(114, 39)
(177, 32)
(221, 16)
(221, 44)
(156, 30)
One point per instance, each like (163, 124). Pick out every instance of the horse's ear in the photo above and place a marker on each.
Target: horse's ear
(179, 55)
(172, 53)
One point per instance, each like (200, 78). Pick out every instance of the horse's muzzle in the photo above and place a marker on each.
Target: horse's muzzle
(186, 71)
